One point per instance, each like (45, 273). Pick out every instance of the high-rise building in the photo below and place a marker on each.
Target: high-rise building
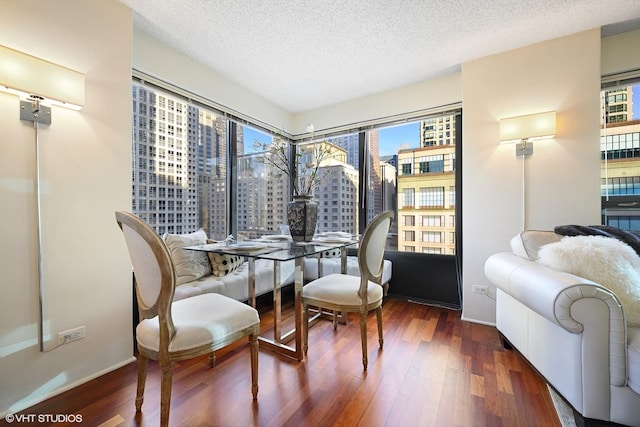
(350, 143)
(164, 157)
(426, 190)
(617, 104)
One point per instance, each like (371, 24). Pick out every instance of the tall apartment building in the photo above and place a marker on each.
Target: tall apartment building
(426, 190)
(337, 197)
(350, 143)
(618, 104)
(262, 197)
(164, 162)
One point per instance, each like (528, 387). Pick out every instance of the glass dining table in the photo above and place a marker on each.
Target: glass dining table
(280, 251)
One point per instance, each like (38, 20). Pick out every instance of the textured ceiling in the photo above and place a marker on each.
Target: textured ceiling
(305, 54)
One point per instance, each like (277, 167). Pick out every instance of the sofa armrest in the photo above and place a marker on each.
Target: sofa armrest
(558, 296)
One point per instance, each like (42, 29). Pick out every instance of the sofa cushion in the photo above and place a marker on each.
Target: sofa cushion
(189, 265)
(235, 285)
(633, 358)
(606, 261)
(528, 242)
(223, 264)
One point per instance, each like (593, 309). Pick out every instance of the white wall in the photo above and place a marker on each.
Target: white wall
(562, 175)
(161, 61)
(85, 173)
(417, 97)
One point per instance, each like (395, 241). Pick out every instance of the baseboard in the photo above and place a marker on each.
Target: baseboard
(26, 404)
(481, 322)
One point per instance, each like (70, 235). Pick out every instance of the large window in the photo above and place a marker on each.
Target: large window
(620, 156)
(194, 167)
(263, 191)
(426, 181)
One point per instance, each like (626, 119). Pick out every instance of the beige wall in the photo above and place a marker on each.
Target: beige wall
(562, 175)
(85, 174)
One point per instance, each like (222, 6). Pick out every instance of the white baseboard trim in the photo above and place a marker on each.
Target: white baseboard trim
(27, 403)
(482, 322)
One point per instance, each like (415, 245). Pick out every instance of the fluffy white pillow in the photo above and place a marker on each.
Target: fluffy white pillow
(189, 265)
(604, 260)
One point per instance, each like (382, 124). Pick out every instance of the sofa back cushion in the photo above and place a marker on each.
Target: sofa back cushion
(528, 242)
(189, 265)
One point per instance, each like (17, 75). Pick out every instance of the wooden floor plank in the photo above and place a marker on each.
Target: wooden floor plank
(434, 370)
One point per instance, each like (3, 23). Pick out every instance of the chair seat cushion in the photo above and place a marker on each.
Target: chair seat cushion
(333, 265)
(199, 321)
(340, 289)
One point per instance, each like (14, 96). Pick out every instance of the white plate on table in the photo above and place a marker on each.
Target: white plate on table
(332, 239)
(340, 234)
(275, 237)
(246, 246)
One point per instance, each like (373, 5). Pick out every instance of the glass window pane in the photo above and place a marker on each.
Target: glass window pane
(423, 154)
(620, 157)
(179, 171)
(337, 192)
(263, 189)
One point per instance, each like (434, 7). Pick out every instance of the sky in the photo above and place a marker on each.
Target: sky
(403, 136)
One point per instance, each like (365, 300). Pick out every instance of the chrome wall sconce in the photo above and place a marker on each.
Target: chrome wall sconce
(39, 84)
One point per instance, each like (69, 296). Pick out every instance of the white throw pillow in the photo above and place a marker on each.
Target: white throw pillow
(189, 265)
(604, 260)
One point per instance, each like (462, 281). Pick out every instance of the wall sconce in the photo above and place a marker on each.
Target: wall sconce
(525, 129)
(39, 83)
(27, 76)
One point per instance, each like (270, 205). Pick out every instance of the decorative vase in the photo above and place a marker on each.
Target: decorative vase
(302, 215)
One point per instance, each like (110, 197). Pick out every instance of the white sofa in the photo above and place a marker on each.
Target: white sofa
(572, 330)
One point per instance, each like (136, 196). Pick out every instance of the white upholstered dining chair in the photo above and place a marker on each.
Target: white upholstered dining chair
(183, 329)
(344, 293)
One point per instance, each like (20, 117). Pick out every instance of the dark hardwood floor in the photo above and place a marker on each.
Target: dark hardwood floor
(434, 370)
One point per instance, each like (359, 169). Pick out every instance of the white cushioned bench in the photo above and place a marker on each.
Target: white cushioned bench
(198, 273)
(235, 284)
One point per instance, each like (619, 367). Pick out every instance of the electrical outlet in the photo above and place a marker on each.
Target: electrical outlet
(480, 289)
(74, 334)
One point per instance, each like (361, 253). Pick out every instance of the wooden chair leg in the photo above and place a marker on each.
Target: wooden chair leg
(379, 317)
(253, 346)
(143, 363)
(165, 393)
(305, 328)
(363, 336)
